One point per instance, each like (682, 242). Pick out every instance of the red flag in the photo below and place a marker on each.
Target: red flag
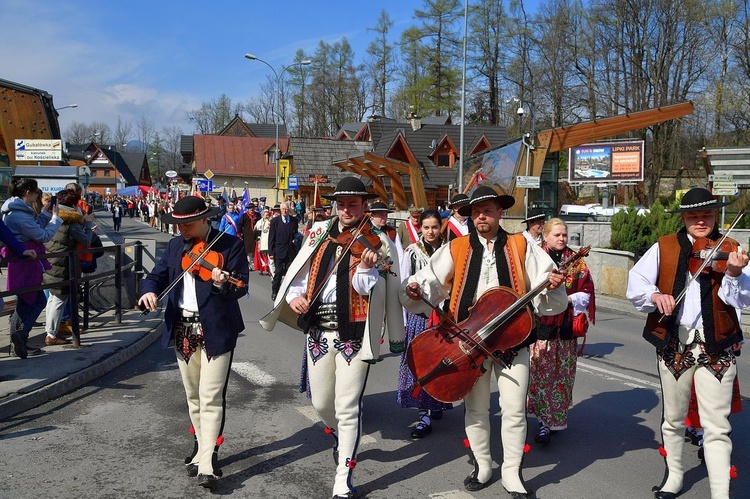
(480, 176)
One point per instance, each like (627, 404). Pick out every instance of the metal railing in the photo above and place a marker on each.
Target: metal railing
(82, 283)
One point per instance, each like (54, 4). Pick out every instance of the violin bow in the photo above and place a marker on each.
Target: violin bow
(179, 277)
(706, 261)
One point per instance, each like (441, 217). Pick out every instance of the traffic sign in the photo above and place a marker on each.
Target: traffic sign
(720, 177)
(725, 189)
(523, 181)
(293, 183)
(204, 185)
(209, 174)
(38, 149)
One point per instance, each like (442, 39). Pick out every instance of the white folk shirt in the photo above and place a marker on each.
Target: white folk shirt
(531, 239)
(362, 282)
(642, 278)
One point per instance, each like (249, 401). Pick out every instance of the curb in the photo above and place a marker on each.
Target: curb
(17, 404)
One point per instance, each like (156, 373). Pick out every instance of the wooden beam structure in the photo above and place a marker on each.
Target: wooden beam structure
(559, 139)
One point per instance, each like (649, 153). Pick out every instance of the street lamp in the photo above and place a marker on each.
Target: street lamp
(528, 141)
(278, 76)
(69, 106)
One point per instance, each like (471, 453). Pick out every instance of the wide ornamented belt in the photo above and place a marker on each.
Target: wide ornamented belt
(186, 316)
(326, 316)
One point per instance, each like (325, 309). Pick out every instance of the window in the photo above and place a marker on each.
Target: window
(443, 160)
(272, 157)
(107, 173)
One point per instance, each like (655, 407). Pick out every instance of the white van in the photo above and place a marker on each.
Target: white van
(574, 212)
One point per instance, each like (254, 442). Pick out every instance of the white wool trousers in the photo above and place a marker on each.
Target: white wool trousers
(512, 386)
(337, 388)
(205, 383)
(714, 405)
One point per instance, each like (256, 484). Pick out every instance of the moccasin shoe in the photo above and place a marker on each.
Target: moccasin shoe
(52, 340)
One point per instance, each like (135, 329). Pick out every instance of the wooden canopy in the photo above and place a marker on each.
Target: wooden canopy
(377, 167)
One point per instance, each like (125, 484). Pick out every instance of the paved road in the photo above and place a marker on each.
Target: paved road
(125, 434)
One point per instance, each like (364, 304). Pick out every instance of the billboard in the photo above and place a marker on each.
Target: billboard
(606, 162)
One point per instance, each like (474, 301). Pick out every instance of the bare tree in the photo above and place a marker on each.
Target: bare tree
(145, 132)
(122, 132)
(380, 65)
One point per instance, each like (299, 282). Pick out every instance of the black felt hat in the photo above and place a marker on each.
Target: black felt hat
(379, 206)
(482, 194)
(458, 201)
(535, 214)
(699, 199)
(350, 186)
(190, 209)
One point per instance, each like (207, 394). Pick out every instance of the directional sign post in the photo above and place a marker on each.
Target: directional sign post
(204, 185)
(38, 149)
(527, 182)
(724, 189)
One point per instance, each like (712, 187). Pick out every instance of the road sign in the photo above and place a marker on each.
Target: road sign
(209, 174)
(38, 150)
(725, 189)
(321, 179)
(720, 177)
(170, 173)
(293, 183)
(204, 185)
(283, 174)
(523, 181)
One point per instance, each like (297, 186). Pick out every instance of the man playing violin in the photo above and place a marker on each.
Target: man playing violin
(462, 271)
(204, 318)
(340, 299)
(694, 337)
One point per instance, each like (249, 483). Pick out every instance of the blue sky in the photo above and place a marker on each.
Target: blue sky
(160, 58)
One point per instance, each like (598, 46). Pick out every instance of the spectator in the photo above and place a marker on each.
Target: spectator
(280, 245)
(247, 230)
(117, 214)
(229, 221)
(409, 230)
(75, 229)
(32, 231)
(260, 258)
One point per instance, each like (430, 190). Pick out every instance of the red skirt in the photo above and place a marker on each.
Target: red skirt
(260, 260)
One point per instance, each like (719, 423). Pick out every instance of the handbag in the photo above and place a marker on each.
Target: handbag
(580, 325)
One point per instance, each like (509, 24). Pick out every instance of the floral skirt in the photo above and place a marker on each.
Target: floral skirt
(409, 393)
(552, 372)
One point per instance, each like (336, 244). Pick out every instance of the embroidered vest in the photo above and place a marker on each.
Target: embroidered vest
(467, 265)
(721, 327)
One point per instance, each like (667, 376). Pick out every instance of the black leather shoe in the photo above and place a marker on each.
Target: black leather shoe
(472, 484)
(421, 430)
(660, 494)
(19, 346)
(192, 470)
(543, 435)
(520, 495)
(207, 481)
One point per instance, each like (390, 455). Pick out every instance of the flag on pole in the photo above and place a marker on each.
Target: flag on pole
(224, 193)
(234, 193)
(245, 198)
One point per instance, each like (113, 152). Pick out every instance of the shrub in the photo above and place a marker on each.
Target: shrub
(636, 233)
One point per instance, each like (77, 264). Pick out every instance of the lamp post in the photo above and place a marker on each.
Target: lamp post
(528, 140)
(69, 106)
(277, 77)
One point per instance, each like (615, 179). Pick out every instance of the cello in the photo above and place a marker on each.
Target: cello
(446, 359)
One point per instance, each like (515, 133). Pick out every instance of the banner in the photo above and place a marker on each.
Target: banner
(606, 162)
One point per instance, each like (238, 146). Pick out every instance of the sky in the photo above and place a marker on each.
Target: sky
(161, 59)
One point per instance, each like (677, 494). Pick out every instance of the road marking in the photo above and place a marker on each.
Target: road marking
(309, 412)
(451, 494)
(629, 380)
(254, 375)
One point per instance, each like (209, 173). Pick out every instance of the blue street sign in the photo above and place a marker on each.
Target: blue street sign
(293, 183)
(204, 185)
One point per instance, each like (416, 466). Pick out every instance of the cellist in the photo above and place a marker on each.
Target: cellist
(462, 271)
(204, 319)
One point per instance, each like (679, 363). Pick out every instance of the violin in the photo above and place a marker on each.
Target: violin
(362, 238)
(446, 360)
(703, 248)
(200, 265)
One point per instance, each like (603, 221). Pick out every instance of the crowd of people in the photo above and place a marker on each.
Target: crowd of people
(435, 269)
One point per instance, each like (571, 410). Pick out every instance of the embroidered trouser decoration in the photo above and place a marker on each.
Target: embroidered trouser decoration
(337, 385)
(713, 377)
(205, 381)
(512, 385)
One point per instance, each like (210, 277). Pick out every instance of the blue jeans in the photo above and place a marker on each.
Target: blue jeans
(25, 315)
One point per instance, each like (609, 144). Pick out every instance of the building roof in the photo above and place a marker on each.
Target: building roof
(229, 155)
(313, 156)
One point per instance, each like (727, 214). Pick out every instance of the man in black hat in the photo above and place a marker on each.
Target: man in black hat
(340, 299)
(461, 271)
(204, 319)
(534, 224)
(457, 225)
(696, 339)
